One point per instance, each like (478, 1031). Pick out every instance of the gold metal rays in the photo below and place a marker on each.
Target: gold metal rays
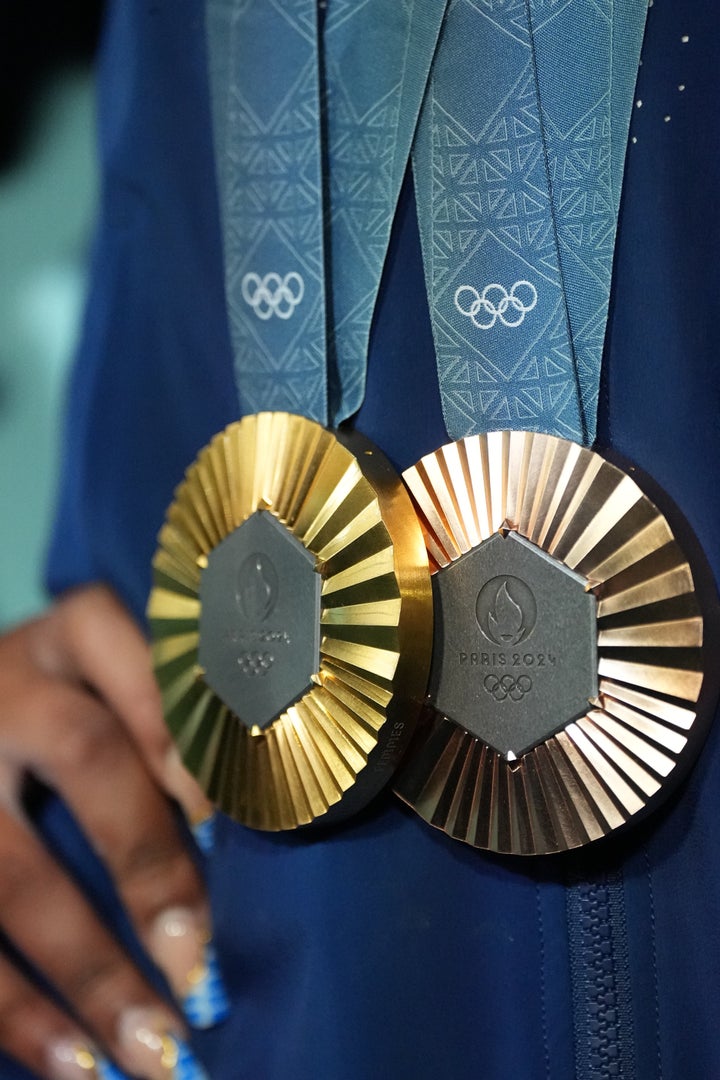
(596, 772)
(328, 752)
(332, 749)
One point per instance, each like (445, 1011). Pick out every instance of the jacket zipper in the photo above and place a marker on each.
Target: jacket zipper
(600, 978)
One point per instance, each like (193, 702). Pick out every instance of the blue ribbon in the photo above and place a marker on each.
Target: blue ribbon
(308, 194)
(264, 78)
(517, 182)
(518, 168)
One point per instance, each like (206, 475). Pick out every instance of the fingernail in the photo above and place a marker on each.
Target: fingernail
(195, 803)
(204, 832)
(181, 944)
(151, 1049)
(69, 1059)
(107, 1071)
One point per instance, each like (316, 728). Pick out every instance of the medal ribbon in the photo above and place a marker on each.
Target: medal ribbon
(517, 183)
(308, 189)
(518, 167)
(266, 115)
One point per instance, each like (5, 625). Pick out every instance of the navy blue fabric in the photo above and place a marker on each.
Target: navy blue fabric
(380, 949)
(154, 373)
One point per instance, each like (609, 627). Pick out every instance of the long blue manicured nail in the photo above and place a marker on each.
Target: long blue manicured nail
(181, 944)
(187, 1067)
(151, 1049)
(72, 1059)
(206, 1003)
(105, 1070)
(204, 833)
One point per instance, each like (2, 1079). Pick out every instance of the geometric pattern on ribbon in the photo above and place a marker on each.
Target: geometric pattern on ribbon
(312, 139)
(594, 49)
(517, 182)
(485, 215)
(377, 58)
(264, 77)
(577, 131)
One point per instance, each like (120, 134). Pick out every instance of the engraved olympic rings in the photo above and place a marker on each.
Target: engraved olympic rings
(504, 686)
(495, 302)
(255, 663)
(273, 294)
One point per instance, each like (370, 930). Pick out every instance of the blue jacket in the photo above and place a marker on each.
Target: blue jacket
(381, 949)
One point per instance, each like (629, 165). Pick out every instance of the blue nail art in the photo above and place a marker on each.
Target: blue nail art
(207, 1003)
(188, 1067)
(107, 1071)
(204, 833)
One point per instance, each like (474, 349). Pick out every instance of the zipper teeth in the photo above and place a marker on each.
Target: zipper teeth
(602, 997)
(600, 976)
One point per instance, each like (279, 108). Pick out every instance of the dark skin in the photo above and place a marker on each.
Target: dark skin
(78, 703)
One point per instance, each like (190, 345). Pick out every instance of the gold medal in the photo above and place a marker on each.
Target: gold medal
(292, 621)
(569, 677)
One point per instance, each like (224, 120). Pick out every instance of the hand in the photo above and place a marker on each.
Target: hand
(80, 711)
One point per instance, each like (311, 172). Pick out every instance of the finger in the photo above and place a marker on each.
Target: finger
(50, 921)
(88, 758)
(36, 1033)
(92, 638)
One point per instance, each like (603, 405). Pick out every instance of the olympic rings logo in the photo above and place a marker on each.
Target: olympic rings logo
(495, 302)
(272, 294)
(255, 663)
(508, 687)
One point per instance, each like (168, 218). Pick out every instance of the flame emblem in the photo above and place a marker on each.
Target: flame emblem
(506, 611)
(257, 587)
(505, 618)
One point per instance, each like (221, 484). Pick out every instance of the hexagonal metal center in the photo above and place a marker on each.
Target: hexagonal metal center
(260, 619)
(515, 651)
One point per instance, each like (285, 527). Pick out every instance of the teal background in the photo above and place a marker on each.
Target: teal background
(47, 200)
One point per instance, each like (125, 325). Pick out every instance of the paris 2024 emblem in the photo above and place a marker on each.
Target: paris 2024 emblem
(516, 657)
(256, 595)
(506, 613)
(259, 637)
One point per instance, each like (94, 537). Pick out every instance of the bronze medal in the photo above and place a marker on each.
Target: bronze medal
(569, 685)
